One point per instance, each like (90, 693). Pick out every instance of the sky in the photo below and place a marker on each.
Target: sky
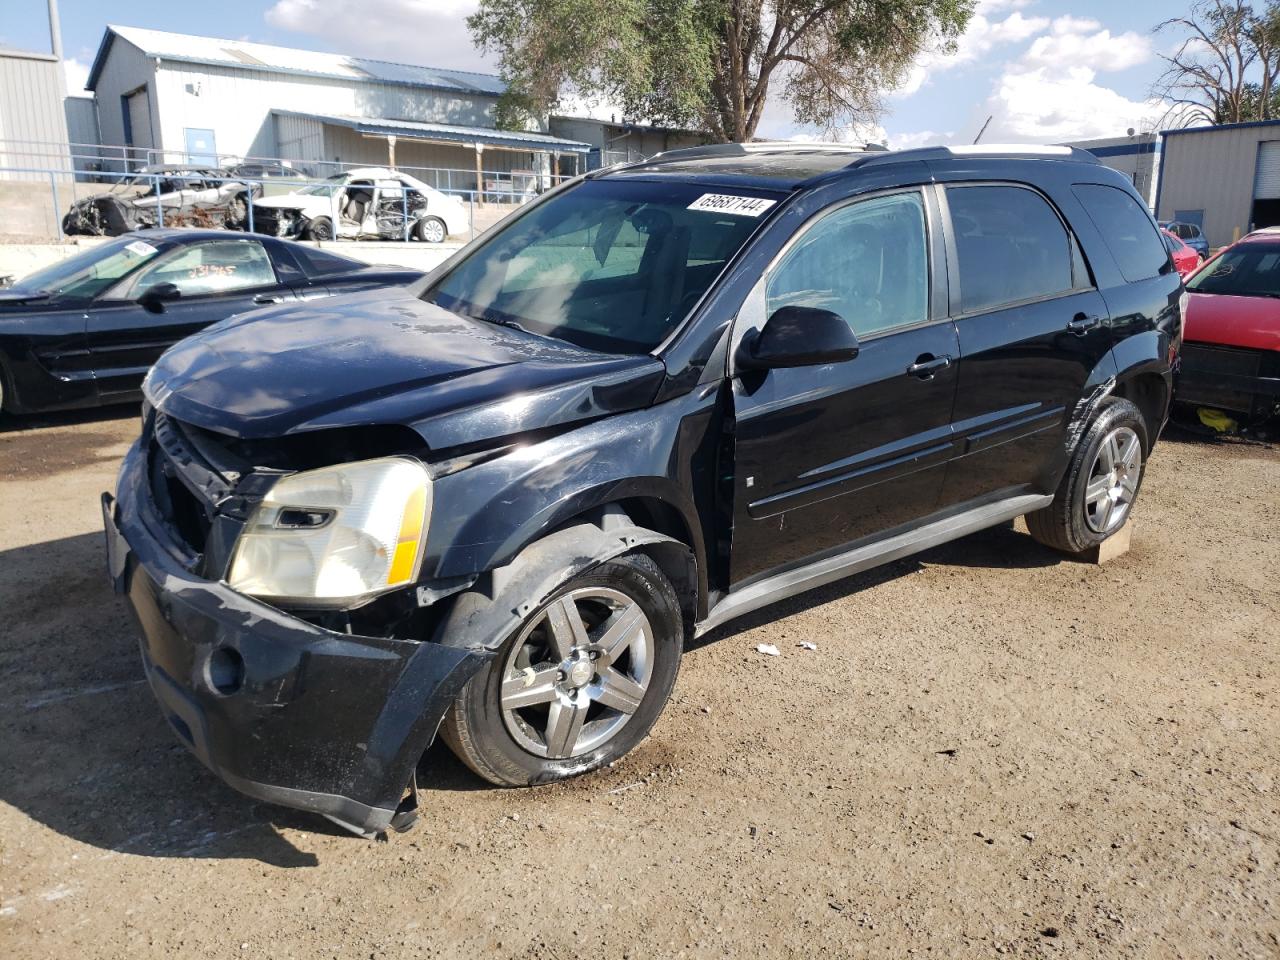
(1042, 70)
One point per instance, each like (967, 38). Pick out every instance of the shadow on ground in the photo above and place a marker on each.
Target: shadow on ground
(15, 422)
(88, 754)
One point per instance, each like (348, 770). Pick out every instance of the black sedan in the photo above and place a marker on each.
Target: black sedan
(85, 331)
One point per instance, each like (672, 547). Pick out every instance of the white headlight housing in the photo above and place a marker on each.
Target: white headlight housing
(336, 535)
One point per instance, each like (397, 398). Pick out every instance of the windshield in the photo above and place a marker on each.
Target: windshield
(609, 265)
(325, 187)
(88, 274)
(1250, 270)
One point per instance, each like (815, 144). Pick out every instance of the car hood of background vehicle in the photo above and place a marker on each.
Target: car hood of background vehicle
(1250, 322)
(382, 357)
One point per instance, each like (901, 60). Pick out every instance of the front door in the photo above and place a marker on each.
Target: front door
(1032, 330)
(829, 455)
(215, 279)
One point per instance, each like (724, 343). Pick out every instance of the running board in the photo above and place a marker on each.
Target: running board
(821, 572)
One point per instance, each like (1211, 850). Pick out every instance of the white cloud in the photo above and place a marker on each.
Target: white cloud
(983, 35)
(920, 138)
(429, 32)
(1050, 93)
(77, 74)
(1044, 104)
(1082, 44)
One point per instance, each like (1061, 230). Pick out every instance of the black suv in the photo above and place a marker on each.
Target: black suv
(497, 503)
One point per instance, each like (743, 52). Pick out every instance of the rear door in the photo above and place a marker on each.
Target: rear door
(1032, 327)
(216, 279)
(828, 455)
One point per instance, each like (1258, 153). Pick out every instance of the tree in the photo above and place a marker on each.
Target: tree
(710, 64)
(1226, 69)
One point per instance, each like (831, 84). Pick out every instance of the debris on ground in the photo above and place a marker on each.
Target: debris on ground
(768, 649)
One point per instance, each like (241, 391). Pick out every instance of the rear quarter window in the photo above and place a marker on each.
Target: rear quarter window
(1126, 229)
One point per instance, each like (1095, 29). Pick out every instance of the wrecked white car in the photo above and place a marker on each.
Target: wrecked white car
(163, 196)
(370, 203)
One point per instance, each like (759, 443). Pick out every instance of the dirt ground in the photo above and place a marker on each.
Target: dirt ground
(992, 751)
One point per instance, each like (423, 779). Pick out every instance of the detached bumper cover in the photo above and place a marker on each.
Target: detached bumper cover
(280, 709)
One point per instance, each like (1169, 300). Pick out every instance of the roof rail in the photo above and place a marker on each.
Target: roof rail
(749, 149)
(1006, 151)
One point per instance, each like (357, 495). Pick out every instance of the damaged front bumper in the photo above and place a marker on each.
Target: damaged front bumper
(280, 709)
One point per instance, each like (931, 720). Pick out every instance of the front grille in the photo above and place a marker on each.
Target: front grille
(184, 486)
(1207, 371)
(266, 220)
(178, 506)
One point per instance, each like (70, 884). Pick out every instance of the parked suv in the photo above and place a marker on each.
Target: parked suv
(498, 503)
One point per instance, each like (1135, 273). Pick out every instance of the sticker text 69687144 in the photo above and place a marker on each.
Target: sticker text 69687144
(729, 203)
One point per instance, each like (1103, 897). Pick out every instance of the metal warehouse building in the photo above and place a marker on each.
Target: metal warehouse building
(1225, 179)
(32, 87)
(179, 98)
(1135, 156)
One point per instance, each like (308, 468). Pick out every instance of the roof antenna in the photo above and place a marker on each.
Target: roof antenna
(983, 130)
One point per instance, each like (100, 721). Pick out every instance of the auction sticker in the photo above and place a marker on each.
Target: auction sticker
(141, 248)
(728, 203)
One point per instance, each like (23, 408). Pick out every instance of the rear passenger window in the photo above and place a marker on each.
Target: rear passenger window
(1011, 245)
(1126, 229)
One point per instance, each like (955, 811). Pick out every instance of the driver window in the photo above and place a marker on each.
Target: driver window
(868, 262)
(219, 266)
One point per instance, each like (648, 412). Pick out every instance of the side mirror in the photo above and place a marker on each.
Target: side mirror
(155, 298)
(799, 337)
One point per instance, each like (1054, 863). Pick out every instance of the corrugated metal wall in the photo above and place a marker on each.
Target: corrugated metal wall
(32, 87)
(125, 70)
(300, 139)
(82, 131)
(237, 104)
(1213, 170)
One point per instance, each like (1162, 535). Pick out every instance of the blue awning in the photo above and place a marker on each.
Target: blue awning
(448, 133)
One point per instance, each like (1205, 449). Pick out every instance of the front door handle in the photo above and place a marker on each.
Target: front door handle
(927, 365)
(1081, 324)
(268, 298)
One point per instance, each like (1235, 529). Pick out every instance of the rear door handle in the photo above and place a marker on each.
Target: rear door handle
(1081, 324)
(268, 298)
(926, 366)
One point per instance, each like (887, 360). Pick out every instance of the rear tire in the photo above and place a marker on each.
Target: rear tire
(562, 698)
(431, 230)
(1101, 483)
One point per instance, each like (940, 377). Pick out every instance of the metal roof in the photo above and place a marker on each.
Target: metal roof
(448, 133)
(267, 58)
(1214, 128)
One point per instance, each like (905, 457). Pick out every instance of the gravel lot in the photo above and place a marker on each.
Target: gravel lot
(992, 751)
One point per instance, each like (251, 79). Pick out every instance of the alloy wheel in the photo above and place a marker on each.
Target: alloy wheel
(1113, 480)
(433, 230)
(577, 673)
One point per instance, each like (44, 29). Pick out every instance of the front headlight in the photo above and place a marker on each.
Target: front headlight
(337, 534)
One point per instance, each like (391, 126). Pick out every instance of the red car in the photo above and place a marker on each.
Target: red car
(1185, 260)
(1231, 337)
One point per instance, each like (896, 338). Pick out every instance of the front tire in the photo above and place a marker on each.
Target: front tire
(1101, 484)
(321, 228)
(579, 683)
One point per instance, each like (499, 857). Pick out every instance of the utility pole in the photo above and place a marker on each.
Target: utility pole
(55, 30)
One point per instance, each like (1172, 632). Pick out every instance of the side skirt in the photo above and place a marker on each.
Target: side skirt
(821, 572)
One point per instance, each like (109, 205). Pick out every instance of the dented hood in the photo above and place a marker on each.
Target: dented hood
(384, 357)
